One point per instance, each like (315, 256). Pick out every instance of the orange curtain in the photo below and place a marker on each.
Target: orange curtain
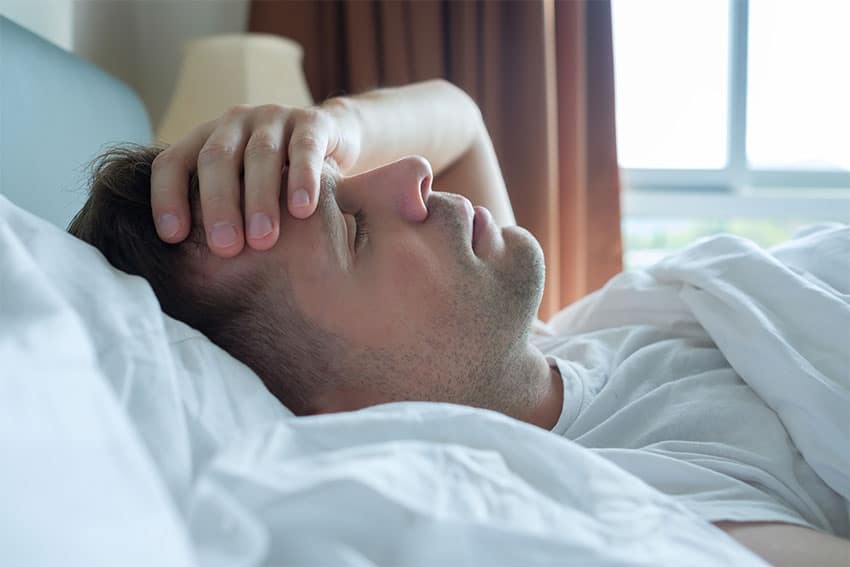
(542, 72)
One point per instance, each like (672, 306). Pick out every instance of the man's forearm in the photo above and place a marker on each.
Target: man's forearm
(439, 121)
(433, 119)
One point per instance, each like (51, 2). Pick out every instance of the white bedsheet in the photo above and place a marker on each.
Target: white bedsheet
(104, 465)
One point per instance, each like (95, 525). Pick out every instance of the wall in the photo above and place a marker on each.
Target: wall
(51, 19)
(138, 41)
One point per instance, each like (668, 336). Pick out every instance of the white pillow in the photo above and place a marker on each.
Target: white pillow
(225, 396)
(79, 483)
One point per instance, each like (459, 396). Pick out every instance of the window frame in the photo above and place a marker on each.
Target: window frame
(737, 188)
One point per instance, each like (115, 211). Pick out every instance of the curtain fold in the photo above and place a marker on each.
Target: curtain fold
(541, 71)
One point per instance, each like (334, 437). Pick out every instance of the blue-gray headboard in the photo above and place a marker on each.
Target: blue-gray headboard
(57, 112)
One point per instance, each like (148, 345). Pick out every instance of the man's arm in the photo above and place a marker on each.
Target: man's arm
(439, 121)
(789, 545)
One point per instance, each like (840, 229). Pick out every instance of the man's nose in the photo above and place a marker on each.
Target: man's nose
(401, 188)
(414, 188)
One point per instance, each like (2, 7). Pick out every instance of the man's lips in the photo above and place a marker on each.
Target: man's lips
(480, 224)
(479, 221)
(470, 212)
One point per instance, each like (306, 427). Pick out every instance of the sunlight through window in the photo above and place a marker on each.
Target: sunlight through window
(798, 111)
(671, 72)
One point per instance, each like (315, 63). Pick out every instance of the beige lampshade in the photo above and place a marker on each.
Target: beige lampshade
(222, 70)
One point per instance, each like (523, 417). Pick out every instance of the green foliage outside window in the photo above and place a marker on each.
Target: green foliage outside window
(647, 240)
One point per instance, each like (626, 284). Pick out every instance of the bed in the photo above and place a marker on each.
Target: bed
(128, 438)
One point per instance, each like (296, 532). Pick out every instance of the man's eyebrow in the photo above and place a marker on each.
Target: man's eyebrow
(327, 209)
(329, 179)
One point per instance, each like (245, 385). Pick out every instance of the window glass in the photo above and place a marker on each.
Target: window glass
(671, 67)
(798, 109)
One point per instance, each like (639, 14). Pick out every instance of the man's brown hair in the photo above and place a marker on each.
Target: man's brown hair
(270, 335)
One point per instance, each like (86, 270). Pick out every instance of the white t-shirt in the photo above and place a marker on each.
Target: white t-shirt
(667, 407)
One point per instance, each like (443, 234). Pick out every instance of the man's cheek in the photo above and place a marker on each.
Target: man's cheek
(416, 276)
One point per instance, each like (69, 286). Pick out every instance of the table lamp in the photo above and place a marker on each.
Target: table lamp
(222, 70)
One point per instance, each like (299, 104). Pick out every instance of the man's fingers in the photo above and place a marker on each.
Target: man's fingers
(170, 173)
(219, 163)
(219, 149)
(308, 146)
(263, 165)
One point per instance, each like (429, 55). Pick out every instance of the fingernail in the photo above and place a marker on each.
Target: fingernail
(223, 235)
(168, 224)
(300, 198)
(260, 225)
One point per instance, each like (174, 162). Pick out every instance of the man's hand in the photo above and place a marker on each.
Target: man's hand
(262, 139)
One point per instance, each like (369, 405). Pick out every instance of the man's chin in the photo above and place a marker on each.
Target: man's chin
(523, 272)
(522, 249)
(519, 236)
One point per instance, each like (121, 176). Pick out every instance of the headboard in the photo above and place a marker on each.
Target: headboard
(57, 112)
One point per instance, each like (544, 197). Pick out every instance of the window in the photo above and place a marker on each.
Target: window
(732, 116)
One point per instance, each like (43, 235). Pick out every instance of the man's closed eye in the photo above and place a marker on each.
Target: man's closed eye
(361, 230)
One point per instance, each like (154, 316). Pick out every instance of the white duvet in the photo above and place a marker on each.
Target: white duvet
(781, 320)
(128, 439)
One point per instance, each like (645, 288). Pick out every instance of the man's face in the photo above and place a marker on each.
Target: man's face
(428, 314)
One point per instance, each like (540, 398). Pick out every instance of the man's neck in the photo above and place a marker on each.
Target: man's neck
(542, 404)
(546, 412)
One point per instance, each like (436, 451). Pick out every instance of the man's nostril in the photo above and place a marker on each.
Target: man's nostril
(425, 189)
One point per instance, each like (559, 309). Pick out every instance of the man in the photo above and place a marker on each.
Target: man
(394, 291)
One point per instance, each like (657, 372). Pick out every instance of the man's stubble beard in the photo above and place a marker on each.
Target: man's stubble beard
(501, 315)
(473, 347)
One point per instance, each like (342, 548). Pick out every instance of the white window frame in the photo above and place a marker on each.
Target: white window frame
(736, 190)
